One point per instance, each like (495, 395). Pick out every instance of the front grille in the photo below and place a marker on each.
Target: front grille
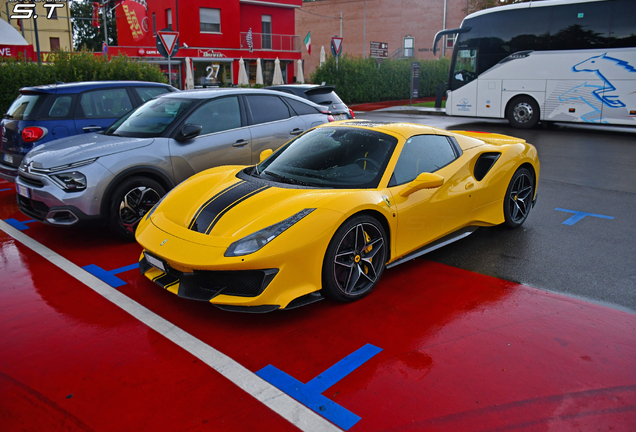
(30, 181)
(35, 209)
(246, 283)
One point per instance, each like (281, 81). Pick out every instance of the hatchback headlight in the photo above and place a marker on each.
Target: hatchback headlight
(70, 182)
(256, 241)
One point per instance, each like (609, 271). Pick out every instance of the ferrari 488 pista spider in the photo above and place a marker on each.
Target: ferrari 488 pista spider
(330, 210)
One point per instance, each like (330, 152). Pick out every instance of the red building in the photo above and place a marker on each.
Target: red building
(214, 34)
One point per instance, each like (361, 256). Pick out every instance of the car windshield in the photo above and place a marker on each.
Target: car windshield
(332, 157)
(22, 107)
(151, 119)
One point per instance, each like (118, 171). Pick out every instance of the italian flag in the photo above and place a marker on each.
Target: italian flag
(308, 42)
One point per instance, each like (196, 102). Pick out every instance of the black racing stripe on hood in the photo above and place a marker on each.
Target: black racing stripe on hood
(205, 204)
(228, 208)
(211, 211)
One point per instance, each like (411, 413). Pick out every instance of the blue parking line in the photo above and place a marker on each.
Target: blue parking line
(21, 226)
(109, 276)
(310, 394)
(578, 215)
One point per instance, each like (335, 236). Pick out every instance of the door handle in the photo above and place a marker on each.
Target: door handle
(240, 143)
(91, 128)
(296, 131)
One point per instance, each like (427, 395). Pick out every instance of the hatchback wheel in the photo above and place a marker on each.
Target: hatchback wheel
(131, 200)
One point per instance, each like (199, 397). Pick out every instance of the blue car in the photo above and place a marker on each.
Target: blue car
(49, 112)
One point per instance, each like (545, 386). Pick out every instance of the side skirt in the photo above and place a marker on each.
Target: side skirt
(453, 237)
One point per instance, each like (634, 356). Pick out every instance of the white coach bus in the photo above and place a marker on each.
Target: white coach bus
(553, 60)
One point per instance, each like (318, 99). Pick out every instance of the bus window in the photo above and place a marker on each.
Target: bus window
(580, 26)
(510, 31)
(465, 67)
(623, 30)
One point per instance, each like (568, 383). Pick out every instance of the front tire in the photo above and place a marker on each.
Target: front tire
(523, 112)
(130, 201)
(355, 259)
(518, 199)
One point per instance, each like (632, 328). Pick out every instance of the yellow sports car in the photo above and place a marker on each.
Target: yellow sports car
(326, 213)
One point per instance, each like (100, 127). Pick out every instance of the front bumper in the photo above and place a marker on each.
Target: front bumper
(8, 172)
(48, 203)
(206, 285)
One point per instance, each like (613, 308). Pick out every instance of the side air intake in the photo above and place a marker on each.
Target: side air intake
(484, 163)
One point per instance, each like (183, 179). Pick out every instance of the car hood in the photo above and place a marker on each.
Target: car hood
(217, 207)
(79, 148)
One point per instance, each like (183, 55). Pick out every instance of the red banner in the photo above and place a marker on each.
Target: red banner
(16, 51)
(132, 25)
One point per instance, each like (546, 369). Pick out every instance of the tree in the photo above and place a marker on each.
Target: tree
(84, 34)
(477, 5)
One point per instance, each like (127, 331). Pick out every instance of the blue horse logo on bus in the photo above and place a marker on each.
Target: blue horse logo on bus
(601, 65)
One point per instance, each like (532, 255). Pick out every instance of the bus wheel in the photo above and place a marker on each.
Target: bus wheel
(523, 112)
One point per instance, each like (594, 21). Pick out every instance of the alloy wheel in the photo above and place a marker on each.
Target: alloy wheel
(358, 259)
(135, 204)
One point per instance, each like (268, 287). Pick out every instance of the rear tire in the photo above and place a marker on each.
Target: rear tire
(130, 201)
(523, 112)
(355, 259)
(518, 199)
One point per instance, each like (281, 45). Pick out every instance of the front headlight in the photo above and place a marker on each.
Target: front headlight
(70, 182)
(254, 242)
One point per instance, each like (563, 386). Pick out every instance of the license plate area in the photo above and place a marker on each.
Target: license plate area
(155, 262)
(24, 191)
(340, 117)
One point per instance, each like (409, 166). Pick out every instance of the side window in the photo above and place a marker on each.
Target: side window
(267, 109)
(422, 153)
(217, 115)
(106, 103)
(301, 108)
(147, 93)
(60, 107)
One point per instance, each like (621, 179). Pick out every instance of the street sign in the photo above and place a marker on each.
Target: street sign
(336, 46)
(379, 50)
(415, 80)
(168, 42)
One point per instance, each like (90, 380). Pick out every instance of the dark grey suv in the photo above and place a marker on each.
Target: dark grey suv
(324, 95)
(116, 177)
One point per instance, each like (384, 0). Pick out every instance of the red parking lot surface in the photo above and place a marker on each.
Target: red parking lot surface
(460, 351)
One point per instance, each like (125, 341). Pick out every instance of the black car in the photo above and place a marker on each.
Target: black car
(322, 95)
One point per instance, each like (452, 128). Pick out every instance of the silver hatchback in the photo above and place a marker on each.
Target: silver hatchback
(116, 177)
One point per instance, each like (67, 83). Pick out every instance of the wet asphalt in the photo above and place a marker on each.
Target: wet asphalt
(584, 168)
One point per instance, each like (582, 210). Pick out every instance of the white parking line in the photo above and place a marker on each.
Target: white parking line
(279, 402)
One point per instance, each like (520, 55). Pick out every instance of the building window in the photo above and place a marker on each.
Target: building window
(210, 20)
(154, 24)
(169, 18)
(450, 41)
(266, 30)
(409, 45)
(55, 43)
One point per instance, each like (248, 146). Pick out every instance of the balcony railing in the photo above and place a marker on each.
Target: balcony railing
(271, 42)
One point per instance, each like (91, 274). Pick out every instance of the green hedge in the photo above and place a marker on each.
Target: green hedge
(67, 67)
(360, 80)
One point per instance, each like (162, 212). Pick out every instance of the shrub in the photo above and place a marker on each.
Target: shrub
(70, 67)
(360, 80)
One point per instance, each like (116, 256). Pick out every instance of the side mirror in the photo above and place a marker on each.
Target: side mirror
(423, 181)
(265, 154)
(188, 131)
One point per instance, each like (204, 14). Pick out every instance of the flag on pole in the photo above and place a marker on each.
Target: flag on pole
(308, 42)
(95, 21)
